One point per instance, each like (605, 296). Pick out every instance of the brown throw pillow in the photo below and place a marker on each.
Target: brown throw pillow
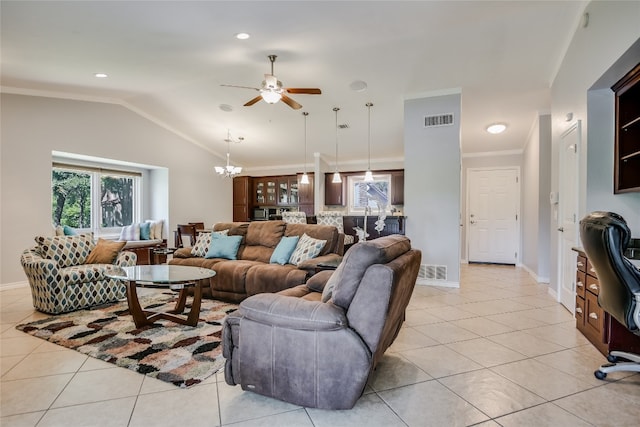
(105, 252)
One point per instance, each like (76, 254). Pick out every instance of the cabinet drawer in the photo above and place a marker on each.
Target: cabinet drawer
(581, 263)
(594, 315)
(581, 283)
(593, 284)
(579, 312)
(590, 270)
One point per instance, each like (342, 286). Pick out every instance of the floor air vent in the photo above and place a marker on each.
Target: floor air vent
(432, 272)
(439, 120)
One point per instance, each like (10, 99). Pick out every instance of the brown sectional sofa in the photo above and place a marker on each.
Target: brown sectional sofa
(252, 273)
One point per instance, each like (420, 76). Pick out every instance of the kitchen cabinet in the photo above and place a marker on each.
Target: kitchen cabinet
(265, 191)
(602, 330)
(397, 187)
(287, 190)
(334, 193)
(241, 200)
(305, 196)
(627, 137)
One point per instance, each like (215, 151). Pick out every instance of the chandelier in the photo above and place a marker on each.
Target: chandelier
(229, 171)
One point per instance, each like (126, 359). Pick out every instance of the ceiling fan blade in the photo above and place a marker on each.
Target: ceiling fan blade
(241, 87)
(253, 101)
(308, 91)
(290, 102)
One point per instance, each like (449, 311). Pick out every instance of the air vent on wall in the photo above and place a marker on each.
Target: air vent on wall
(439, 120)
(343, 126)
(433, 272)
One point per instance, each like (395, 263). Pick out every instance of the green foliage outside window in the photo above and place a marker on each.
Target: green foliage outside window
(72, 199)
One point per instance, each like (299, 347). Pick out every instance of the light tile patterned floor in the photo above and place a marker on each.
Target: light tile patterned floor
(499, 351)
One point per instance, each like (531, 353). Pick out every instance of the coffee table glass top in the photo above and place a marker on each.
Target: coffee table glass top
(160, 274)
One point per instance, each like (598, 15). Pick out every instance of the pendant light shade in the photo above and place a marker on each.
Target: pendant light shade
(368, 176)
(229, 171)
(305, 178)
(336, 175)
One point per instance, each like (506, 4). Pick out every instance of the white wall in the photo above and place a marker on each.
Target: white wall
(432, 182)
(33, 127)
(613, 28)
(535, 206)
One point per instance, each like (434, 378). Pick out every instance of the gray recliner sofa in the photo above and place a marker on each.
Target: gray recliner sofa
(316, 344)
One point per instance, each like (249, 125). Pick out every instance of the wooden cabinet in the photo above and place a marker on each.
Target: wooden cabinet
(287, 190)
(241, 200)
(305, 196)
(334, 193)
(602, 330)
(397, 187)
(627, 142)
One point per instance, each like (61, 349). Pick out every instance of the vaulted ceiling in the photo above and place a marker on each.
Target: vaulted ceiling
(167, 61)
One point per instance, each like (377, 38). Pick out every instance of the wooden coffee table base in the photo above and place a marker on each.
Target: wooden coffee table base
(143, 317)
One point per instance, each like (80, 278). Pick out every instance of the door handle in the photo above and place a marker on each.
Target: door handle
(561, 229)
(472, 222)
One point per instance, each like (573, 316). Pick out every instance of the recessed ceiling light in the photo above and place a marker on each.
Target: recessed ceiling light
(101, 75)
(496, 128)
(226, 107)
(243, 36)
(358, 86)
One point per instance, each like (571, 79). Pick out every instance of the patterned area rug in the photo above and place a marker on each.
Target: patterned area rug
(179, 354)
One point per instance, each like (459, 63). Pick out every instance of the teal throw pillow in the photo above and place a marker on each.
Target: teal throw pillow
(224, 246)
(145, 231)
(283, 251)
(68, 231)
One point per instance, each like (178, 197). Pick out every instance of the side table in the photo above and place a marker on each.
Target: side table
(159, 254)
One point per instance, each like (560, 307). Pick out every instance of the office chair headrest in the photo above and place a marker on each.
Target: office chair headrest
(601, 219)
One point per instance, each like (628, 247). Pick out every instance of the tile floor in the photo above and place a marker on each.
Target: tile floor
(499, 351)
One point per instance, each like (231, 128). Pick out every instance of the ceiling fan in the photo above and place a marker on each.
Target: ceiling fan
(272, 90)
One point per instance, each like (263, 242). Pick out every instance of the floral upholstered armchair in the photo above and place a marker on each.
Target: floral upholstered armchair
(67, 273)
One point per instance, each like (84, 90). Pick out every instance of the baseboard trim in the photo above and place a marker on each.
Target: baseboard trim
(14, 285)
(534, 275)
(441, 283)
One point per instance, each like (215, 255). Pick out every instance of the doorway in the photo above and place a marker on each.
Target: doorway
(567, 214)
(493, 201)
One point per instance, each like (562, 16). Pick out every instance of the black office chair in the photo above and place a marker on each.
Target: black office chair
(605, 236)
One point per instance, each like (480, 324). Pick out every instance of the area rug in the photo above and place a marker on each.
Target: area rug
(179, 354)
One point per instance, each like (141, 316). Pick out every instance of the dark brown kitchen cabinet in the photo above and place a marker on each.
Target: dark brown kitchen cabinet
(397, 187)
(627, 142)
(241, 200)
(334, 193)
(305, 196)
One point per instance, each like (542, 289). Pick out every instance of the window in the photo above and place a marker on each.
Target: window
(376, 195)
(101, 200)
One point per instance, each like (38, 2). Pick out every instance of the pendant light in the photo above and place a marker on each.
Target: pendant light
(336, 175)
(229, 171)
(368, 176)
(305, 178)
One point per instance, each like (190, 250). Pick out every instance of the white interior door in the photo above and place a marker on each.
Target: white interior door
(567, 214)
(493, 201)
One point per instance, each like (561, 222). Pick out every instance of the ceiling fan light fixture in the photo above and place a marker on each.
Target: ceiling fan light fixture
(270, 97)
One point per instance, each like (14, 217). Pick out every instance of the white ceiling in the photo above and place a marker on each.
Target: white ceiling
(167, 60)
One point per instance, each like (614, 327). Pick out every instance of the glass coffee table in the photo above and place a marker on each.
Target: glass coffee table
(175, 277)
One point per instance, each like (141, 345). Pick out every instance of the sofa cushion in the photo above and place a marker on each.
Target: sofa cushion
(155, 231)
(224, 246)
(203, 241)
(105, 252)
(66, 250)
(344, 282)
(321, 232)
(265, 233)
(273, 278)
(283, 251)
(130, 232)
(145, 231)
(307, 248)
